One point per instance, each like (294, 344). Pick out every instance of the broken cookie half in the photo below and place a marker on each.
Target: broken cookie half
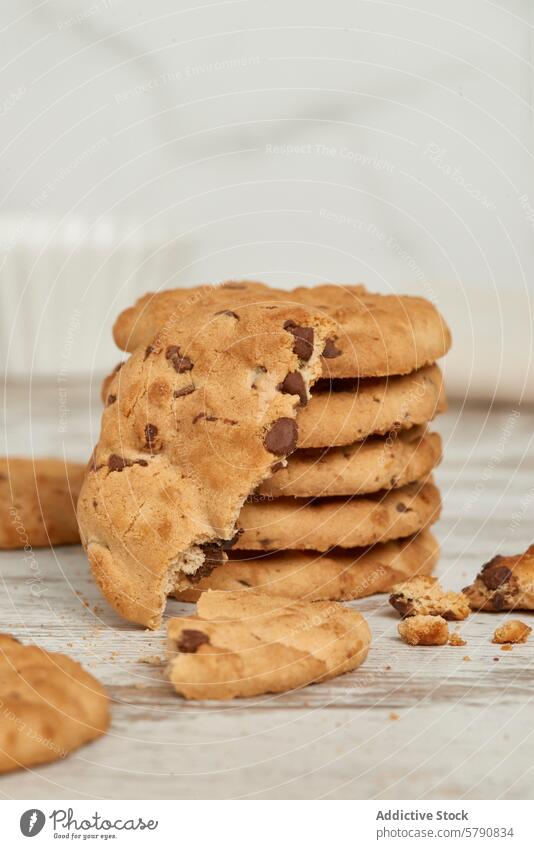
(246, 644)
(505, 583)
(194, 422)
(424, 596)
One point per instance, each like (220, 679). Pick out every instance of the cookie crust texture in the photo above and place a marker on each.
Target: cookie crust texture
(376, 335)
(50, 706)
(357, 469)
(337, 575)
(38, 502)
(342, 413)
(195, 421)
(288, 523)
(246, 644)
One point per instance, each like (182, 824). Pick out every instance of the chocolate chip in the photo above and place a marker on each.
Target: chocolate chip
(276, 467)
(293, 384)
(204, 416)
(151, 433)
(303, 345)
(180, 363)
(493, 575)
(330, 351)
(111, 400)
(244, 583)
(498, 601)
(149, 350)
(117, 464)
(401, 604)
(191, 640)
(401, 508)
(185, 390)
(202, 572)
(228, 312)
(226, 544)
(282, 437)
(213, 554)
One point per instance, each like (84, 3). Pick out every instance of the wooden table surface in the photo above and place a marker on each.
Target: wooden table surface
(426, 723)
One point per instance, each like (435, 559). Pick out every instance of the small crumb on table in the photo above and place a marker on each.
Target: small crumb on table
(512, 631)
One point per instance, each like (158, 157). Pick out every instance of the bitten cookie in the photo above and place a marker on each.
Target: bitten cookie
(324, 523)
(357, 469)
(343, 412)
(38, 502)
(505, 583)
(376, 335)
(195, 421)
(424, 596)
(337, 575)
(245, 644)
(49, 706)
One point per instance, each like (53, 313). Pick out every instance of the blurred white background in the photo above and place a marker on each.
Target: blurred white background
(148, 145)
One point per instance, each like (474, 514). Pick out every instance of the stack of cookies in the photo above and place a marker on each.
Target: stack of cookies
(348, 513)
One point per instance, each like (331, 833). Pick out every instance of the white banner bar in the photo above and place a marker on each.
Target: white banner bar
(269, 824)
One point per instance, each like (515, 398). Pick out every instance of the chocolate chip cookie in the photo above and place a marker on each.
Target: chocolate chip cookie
(245, 644)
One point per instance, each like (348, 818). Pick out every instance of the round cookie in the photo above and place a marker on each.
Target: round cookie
(376, 335)
(357, 469)
(337, 575)
(38, 502)
(245, 644)
(347, 413)
(50, 706)
(324, 523)
(194, 422)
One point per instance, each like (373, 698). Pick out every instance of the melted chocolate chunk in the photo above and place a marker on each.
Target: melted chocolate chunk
(493, 575)
(151, 433)
(185, 390)
(191, 640)
(282, 437)
(228, 312)
(498, 601)
(401, 604)
(276, 467)
(213, 554)
(303, 344)
(330, 351)
(202, 572)
(180, 363)
(117, 463)
(293, 384)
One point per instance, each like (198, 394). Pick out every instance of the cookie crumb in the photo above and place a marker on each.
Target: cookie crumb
(424, 596)
(394, 716)
(512, 631)
(151, 659)
(466, 658)
(424, 631)
(507, 647)
(456, 639)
